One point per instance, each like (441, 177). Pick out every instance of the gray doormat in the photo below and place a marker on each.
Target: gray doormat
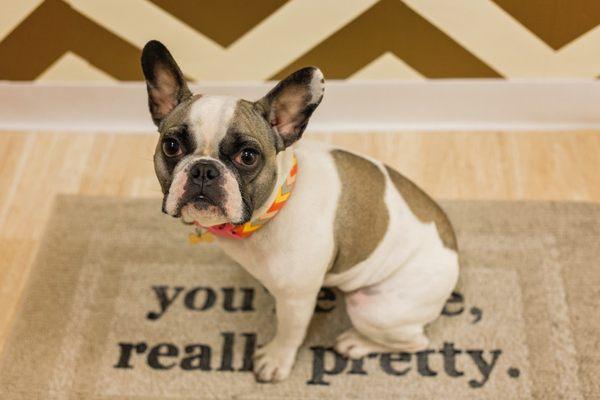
(523, 322)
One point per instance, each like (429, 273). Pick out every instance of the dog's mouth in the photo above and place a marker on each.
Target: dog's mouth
(202, 202)
(199, 202)
(201, 209)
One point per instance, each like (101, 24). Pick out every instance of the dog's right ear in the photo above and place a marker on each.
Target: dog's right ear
(164, 80)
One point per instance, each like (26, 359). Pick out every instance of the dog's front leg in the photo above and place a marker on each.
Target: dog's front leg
(274, 361)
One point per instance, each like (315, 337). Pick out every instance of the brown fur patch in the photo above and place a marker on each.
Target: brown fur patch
(362, 217)
(247, 122)
(424, 207)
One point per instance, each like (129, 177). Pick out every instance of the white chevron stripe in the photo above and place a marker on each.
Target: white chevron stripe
(291, 31)
(288, 33)
(581, 57)
(387, 66)
(71, 67)
(502, 42)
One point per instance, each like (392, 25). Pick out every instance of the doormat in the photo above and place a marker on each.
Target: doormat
(119, 305)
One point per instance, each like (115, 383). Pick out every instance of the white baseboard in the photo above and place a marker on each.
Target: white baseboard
(481, 105)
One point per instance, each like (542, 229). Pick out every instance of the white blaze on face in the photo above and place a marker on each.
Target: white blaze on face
(210, 117)
(176, 190)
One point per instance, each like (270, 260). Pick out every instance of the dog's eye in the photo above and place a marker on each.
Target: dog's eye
(247, 157)
(171, 147)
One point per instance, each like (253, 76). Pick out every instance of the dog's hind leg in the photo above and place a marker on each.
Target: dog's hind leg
(384, 322)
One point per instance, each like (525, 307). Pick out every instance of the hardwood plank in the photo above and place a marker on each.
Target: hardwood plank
(17, 256)
(121, 165)
(54, 165)
(14, 150)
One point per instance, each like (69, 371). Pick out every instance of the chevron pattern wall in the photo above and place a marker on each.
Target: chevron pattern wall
(91, 40)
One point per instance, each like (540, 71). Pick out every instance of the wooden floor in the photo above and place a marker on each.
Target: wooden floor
(34, 167)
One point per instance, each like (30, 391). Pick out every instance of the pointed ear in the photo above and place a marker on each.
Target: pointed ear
(289, 105)
(164, 80)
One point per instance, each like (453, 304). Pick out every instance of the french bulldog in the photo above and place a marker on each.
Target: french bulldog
(317, 215)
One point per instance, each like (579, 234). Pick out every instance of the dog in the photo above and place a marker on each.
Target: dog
(299, 216)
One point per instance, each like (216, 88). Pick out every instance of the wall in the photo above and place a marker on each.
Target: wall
(100, 40)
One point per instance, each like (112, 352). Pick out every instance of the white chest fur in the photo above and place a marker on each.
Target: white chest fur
(295, 249)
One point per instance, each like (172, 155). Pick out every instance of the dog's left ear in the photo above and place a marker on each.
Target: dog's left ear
(164, 80)
(289, 105)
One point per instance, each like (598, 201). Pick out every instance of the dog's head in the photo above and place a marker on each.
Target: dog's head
(216, 158)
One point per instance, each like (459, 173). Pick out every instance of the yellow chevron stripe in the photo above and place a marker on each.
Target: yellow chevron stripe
(250, 228)
(282, 197)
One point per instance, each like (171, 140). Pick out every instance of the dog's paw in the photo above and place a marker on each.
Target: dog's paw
(352, 345)
(273, 362)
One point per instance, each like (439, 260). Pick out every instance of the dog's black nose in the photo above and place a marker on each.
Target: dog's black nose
(204, 171)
